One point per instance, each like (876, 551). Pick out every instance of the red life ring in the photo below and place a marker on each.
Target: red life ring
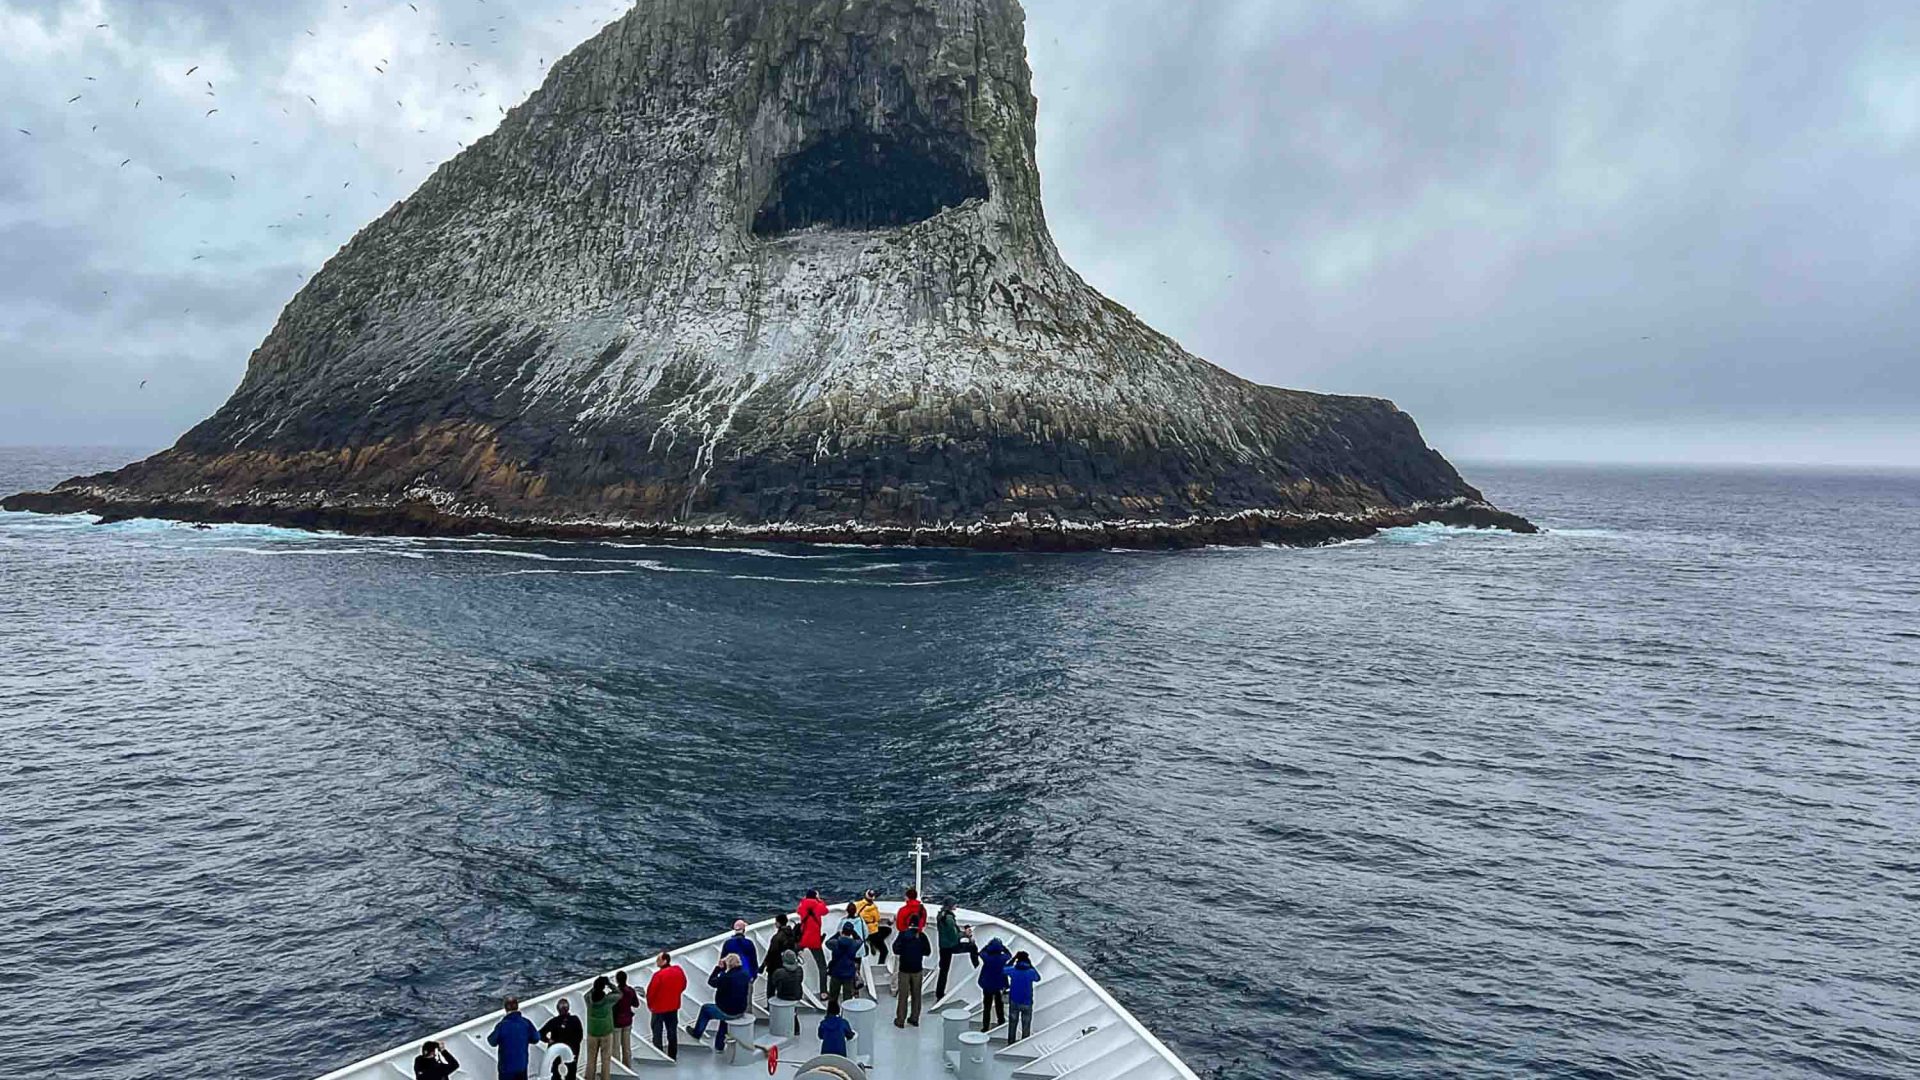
(773, 1059)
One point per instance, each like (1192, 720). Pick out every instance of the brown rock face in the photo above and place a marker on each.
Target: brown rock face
(762, 267)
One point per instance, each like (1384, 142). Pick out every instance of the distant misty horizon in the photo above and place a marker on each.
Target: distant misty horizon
(1613, 233)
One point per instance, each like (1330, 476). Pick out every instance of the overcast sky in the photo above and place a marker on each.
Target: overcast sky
(1560, 231)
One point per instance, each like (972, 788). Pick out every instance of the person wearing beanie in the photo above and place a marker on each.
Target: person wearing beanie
(785, 980)
(993, 983)
(1021, 978)
(563, 1030)
(843, 970)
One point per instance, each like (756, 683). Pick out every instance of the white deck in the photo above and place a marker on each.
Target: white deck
(1078, 1031)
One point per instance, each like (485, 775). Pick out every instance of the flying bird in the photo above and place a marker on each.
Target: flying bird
(143, 384)
(193, 69)
(123, 164)
(73, 99)
(23, 131)
(210, 112)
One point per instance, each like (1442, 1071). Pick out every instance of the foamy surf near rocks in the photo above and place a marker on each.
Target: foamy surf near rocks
(765, 270)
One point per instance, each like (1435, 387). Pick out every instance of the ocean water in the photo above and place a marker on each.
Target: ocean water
(1639, 797)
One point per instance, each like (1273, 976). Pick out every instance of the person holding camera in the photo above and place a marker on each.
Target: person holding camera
(434, 1063)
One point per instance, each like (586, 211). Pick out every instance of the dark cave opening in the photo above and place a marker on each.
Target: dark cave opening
(863, 180)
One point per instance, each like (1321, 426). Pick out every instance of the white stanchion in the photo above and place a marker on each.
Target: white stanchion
(954, 1023)
(973, 1055)
(860, 1013)
(782, 1019)
(740, 1049)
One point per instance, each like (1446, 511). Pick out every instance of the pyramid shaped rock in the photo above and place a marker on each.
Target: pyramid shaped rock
(775, 269)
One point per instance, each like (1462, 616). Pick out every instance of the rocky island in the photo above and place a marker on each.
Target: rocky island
(769, 270)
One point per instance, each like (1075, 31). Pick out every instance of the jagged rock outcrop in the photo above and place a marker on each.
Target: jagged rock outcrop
(764, 267)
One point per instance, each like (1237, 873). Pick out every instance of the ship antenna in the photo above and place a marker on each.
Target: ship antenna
(919, 854)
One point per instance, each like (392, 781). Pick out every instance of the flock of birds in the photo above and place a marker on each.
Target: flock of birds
(147, 112)
(148, 117)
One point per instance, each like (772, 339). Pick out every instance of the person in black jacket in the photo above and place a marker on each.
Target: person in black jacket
(785, 936)
(785, 981)
(434, 1063)
(912, 949)
(565, 1028)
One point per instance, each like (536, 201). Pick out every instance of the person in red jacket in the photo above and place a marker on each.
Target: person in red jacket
(812, 910)
(663, 1001)
(912, 913)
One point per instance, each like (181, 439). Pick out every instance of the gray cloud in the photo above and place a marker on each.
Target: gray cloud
(1563, 230)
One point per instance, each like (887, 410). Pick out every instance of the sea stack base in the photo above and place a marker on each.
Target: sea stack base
(1247, 528)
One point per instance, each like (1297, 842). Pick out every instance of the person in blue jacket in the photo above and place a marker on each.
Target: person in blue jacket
(732, 997)
(1020, 979)
(742, 946)
(835, 1031)
(843, 971)
(514, 1034)
(993, 983)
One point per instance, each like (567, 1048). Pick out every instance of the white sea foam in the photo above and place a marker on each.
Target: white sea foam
(635, 566)
(534, 555)
(758, 552)
(1428, 533)
(271, 552)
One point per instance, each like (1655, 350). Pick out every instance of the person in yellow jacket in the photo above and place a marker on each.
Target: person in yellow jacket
(869, 911)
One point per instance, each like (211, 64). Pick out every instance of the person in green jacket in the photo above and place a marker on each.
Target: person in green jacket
(954, 940)
(600, 1002)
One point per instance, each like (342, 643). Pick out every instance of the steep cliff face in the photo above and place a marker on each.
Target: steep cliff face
(757, 264)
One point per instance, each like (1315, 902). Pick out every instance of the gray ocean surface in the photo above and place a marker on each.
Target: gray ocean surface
(1639, 797)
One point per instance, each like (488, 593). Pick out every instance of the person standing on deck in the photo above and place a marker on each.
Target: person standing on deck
(742, 946)
(783, 938)
(913, 913)
(835, 1031)
(732, 997)
(844, 969)
(993, 983)
(514, 1035)
(434, 1063)
(600, 1002)
(954, 940)
(1020, 979)
(663, 1002)
(563, 1030)
(852, 921)
(624, 1006)
(869, 912)
(813, 938)
(912, 948)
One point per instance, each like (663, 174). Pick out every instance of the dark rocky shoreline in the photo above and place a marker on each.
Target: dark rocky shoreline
(423, 518)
